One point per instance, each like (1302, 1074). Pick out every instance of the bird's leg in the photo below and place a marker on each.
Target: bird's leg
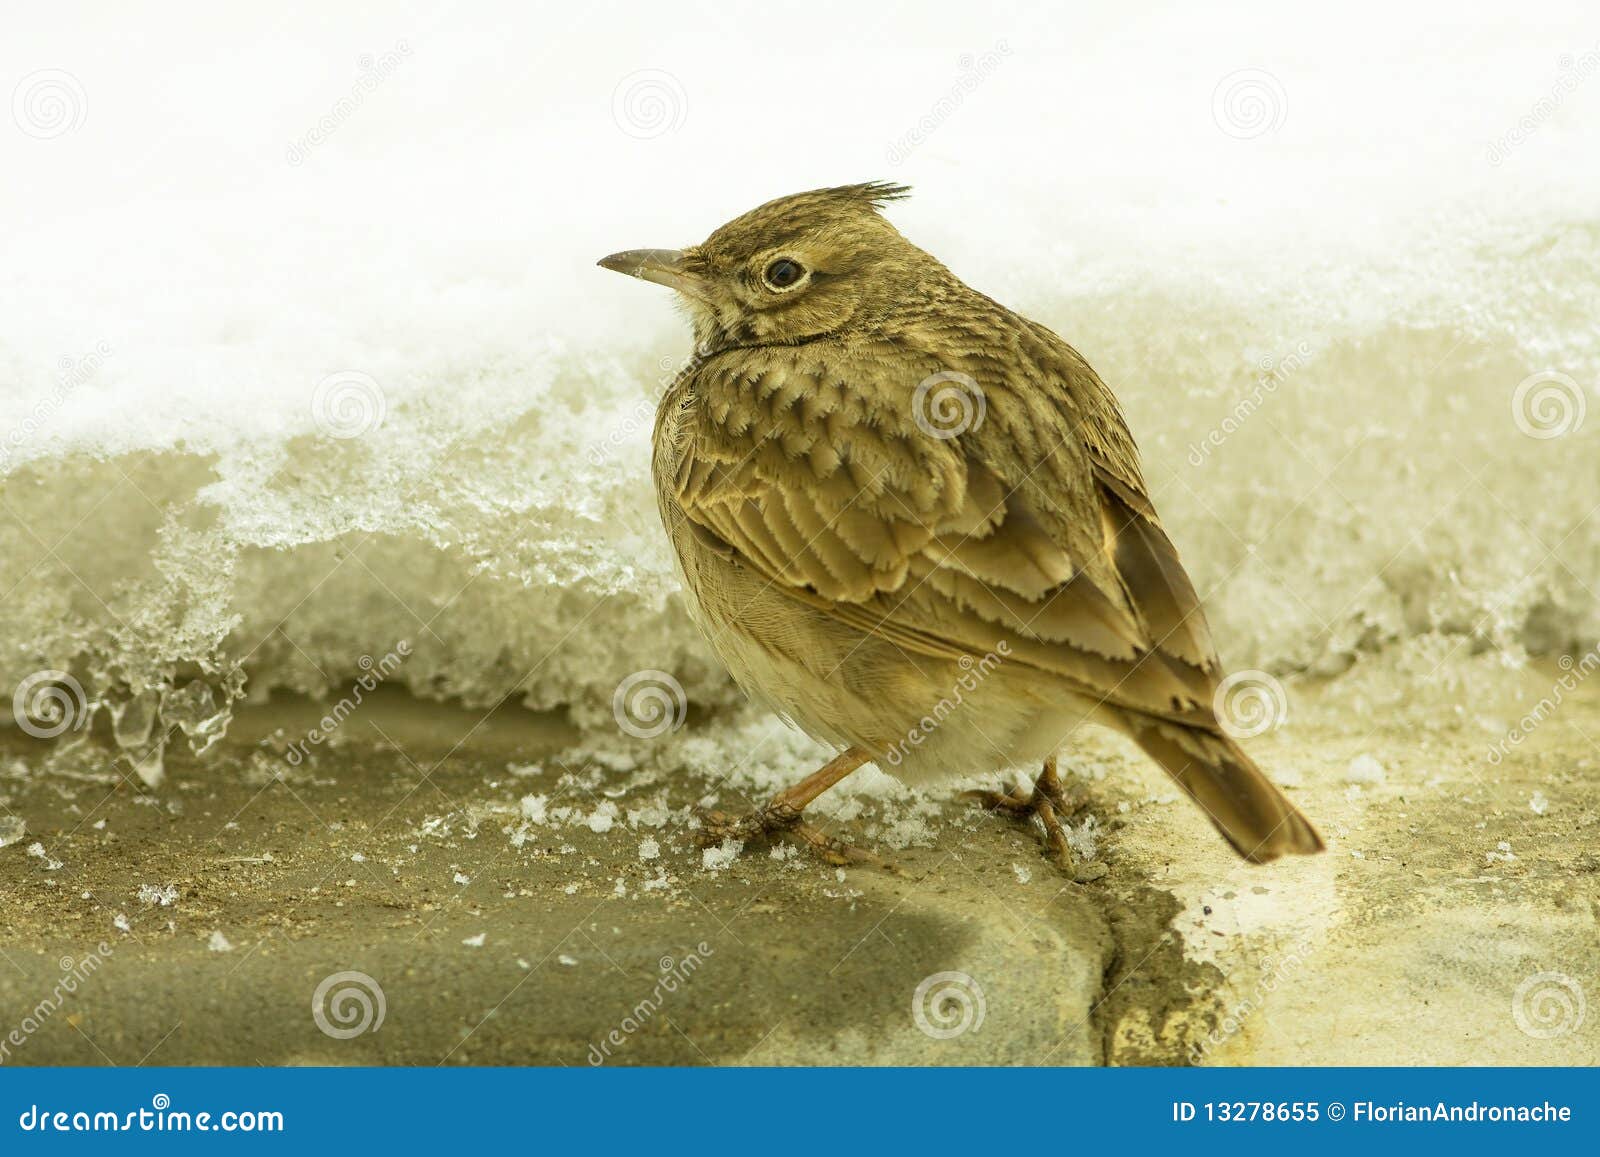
(783, 815)
(1049, 803)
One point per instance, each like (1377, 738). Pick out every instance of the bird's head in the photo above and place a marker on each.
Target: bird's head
(801, 267)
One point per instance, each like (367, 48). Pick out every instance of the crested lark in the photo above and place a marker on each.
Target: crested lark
(914, 524)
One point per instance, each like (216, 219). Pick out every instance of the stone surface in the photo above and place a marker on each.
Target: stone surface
(1454, 920)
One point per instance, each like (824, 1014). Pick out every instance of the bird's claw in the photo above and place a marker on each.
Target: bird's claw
(1050, 804)
(779, 819)
(717, 826)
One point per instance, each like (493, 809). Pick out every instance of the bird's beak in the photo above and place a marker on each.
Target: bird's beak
(662, 266)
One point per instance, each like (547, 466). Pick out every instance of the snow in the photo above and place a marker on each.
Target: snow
(722, 856)
(158, 895)
(653, 815)
(1365, 769)
(1084, 838)
(184, 351)
(12, 829)
(219, 943)
(1502, 854)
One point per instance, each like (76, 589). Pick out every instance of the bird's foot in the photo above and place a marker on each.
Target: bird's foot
(1050, 804)
(776, 820)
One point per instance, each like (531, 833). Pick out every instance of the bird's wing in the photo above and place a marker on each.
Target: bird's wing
(1028, 527)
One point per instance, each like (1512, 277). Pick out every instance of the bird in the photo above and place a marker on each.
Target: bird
(914, 524)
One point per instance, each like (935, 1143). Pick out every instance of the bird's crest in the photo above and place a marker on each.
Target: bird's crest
(873, 194)
(799, 213)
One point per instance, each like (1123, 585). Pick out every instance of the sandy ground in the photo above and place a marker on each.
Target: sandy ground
(1454, 920)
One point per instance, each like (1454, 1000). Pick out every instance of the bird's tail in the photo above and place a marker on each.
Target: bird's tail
(1246, 807)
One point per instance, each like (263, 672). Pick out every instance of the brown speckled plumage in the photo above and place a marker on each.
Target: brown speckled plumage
(853, 562)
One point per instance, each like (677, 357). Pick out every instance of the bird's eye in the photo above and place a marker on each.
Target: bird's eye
(783, 273)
